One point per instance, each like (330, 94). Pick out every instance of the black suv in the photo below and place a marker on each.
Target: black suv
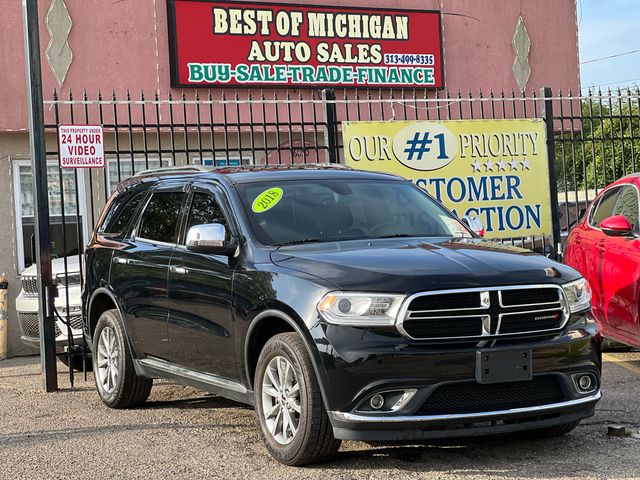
(342, 304)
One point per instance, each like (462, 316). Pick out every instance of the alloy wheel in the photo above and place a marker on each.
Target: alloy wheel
(107, 360)
(281, 400)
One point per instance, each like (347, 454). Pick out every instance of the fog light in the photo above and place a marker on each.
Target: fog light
(585, 383)
(376, 402)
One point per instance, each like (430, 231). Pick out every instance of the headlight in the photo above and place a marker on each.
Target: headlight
(578, 295)
(360, 309)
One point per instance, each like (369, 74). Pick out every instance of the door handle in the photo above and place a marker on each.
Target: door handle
(179, 270)
(121, 260)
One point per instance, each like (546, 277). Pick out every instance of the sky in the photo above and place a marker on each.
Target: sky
(609, 27)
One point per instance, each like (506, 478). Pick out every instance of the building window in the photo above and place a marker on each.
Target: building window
(65, 196)
(225, 161)
(123, 169)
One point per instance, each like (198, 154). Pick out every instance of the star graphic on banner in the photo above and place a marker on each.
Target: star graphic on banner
(513, 164)
(476, 165)
(526, 164)
(502, 165)
(489, 165)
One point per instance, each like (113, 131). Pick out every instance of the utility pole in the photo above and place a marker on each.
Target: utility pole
(46, 289)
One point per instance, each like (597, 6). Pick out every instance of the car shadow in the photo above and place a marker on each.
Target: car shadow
(495, 457)
(56, 435)
(201, 402)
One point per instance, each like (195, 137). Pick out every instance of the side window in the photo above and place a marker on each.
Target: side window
(627, 205)
(121, 212)
(605, 207)
(205, 209)
(160, 218)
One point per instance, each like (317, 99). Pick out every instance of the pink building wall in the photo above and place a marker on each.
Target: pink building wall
(123, 45)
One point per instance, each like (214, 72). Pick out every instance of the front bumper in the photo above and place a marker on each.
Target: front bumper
(27, 312)
(359, 363)
(353, 426)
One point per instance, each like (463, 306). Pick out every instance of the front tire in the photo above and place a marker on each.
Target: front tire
(292, 418)
(115, 376)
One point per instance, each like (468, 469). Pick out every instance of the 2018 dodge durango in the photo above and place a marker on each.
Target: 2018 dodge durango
(341, 304)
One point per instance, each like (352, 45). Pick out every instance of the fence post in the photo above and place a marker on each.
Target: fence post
(330, 124)
(547, 114)
(46, 288)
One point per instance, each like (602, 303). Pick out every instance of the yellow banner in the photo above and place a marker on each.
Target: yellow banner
(496, 170)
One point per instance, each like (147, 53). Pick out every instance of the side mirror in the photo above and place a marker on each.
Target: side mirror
(616, 226)
(474, 224)
(209, 238)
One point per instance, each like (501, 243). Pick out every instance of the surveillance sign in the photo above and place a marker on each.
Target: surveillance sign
(81, 146)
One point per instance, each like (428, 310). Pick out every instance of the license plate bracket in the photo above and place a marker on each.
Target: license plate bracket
(503, 366)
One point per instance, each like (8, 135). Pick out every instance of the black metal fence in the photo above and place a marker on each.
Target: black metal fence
(596, 140)
(596, 136)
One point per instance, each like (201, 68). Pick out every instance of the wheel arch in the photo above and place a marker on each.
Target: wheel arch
(102, 299)
(286, 323)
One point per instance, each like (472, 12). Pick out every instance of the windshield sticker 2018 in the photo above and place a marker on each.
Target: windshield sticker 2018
(267, 200)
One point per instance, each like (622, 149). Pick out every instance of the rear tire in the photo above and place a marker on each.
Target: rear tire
(551, 432)
(295, 428)
(114, 373)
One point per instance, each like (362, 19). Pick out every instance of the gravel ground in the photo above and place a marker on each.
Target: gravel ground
(184, 433)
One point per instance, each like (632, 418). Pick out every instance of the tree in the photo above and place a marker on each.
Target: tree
(600, 146)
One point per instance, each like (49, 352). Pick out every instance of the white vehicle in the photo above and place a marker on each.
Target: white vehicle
(68, 287)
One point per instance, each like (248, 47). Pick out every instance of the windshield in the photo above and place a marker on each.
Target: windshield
(300, 211)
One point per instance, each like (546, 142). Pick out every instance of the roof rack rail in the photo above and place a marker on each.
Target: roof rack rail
(242, 168)
(295, 166)
(175, 169)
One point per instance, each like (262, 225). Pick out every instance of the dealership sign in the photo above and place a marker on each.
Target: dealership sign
(263, 44)
(81, 146)
(496, 170)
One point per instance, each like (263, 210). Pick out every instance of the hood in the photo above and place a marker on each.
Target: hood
(57, 266)
(413, 265)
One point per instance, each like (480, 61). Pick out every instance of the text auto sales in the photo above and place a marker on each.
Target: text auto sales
(487, 188)
(320, 25)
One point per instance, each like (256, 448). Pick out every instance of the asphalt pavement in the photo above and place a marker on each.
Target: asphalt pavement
(187, 434)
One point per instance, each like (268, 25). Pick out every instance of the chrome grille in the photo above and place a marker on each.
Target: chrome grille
(30, 286)
(76, 322)
(483, 313)
(30, 326)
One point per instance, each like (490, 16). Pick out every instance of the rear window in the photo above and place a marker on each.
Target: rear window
(121, 212)
(160, 218)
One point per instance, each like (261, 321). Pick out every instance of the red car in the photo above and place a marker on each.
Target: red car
(605, 247)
